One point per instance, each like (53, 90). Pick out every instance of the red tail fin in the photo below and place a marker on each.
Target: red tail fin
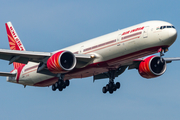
(14, 41)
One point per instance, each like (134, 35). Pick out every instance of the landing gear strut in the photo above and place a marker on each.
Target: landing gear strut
(111, 86)
(161, 52)
(60, 84)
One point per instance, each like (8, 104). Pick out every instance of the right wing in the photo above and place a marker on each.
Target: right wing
(136, 62)
(169, 60)
(133, 65)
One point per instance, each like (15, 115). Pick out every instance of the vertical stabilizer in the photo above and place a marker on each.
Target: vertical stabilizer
(14, 41)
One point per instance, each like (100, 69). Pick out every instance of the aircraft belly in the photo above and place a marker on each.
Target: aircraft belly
(37, 77)
(29, 75)
(104, 66)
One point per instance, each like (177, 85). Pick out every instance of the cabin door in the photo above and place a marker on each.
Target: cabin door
(145, 32)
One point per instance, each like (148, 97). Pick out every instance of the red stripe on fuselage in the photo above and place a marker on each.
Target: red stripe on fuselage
(19, 69)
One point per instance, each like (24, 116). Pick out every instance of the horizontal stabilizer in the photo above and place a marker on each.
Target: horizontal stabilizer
(8, 74)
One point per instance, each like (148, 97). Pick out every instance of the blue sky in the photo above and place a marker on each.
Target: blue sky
(52, 25)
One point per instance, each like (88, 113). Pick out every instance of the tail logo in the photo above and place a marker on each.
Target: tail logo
(14, 41)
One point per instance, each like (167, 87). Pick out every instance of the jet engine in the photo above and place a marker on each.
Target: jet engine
(152, 67)
(61, 62)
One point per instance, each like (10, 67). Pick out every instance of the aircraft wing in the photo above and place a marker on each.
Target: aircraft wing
(25, 56)
(169, 60)
(22, 56)
(133, 65)
(136, 62)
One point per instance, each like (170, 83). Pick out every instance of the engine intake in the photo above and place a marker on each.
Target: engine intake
(152, 66)
(61, 62)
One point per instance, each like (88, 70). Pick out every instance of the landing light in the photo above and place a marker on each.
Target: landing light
(92, 56)
(166, 49)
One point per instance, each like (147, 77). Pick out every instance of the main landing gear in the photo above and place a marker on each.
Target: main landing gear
(60, 84)
(111, 86)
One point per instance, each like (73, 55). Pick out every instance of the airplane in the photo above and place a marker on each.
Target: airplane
(107, 56)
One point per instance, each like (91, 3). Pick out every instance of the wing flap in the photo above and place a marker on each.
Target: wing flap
(83, 59)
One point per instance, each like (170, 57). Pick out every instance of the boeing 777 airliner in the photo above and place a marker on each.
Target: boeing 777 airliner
(107, 56)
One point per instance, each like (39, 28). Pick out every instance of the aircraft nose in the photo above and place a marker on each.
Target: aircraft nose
(173, 34)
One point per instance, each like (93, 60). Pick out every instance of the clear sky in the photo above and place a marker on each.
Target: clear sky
(51, 25)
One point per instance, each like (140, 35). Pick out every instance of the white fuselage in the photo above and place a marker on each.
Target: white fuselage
(111, 50)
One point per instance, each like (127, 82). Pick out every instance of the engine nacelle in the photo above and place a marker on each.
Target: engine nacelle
(61, 62)
(152, 67)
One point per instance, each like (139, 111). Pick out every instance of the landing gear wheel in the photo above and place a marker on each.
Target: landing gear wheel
(114, 88)
(63, 86)
(60, 88)
(111, 91)
(67, 82)
(111, 84)
(60, 82)
(56, 85)
(118, 85)
(104, 90)
(107, 87)
(53, 87)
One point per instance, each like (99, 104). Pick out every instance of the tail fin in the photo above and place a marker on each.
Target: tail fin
(14, 41)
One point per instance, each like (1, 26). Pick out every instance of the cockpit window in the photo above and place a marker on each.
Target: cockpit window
(163, 27)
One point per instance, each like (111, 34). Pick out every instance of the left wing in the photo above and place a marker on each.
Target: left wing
(25, 56)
